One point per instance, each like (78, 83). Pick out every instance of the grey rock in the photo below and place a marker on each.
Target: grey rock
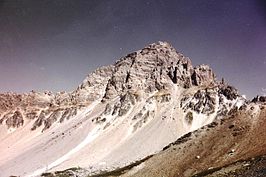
(15, 121)
(203, 76)
(228, 91)
(259, 99)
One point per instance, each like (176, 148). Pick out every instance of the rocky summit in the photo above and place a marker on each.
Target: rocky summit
(119, 117)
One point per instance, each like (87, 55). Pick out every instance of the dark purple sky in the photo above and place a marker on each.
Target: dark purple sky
(54, 44)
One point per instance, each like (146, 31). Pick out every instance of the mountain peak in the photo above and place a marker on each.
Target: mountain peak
(161, 44)
(157, 66)
(126, 105)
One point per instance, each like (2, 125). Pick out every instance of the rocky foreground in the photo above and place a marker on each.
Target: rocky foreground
(150, 114)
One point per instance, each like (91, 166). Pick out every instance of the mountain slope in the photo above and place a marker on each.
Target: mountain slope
(118, 115)
(232, 146)
(237, 137)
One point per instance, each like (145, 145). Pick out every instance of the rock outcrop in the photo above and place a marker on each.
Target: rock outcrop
(156, 67)
(203, 75)
(261, 99)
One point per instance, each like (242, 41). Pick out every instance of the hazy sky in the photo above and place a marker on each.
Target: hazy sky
(54, 44)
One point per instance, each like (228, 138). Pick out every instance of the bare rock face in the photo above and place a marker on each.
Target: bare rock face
(156, 67)
(261, 99)
(94, 85)
(15, 121)
(203, 75)
(203, 101)
(228, 91)
(218, 100)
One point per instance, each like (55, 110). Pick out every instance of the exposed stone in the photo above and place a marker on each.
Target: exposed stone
(39, 121)
(99, 120)
(51, 119)
(108, 109)
(229, 92)
(31, 115)
(259, 99)
(203, 101)
(68, 113)
(158, 66)
(15, 121)
(189, 117)
(203, 76)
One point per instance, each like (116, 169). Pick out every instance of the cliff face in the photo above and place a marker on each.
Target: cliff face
(135, 107)
(156, 67)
